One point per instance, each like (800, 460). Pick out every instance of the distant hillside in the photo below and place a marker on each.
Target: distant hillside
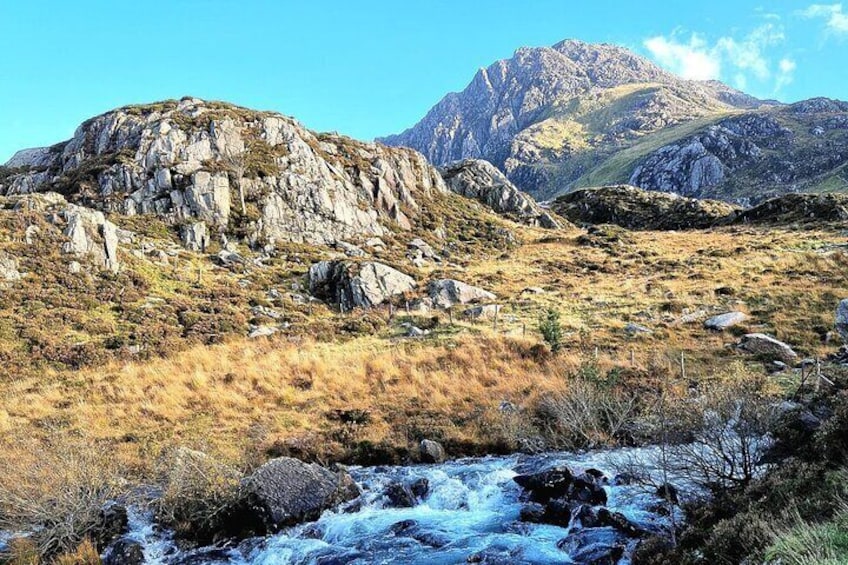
(578, 115)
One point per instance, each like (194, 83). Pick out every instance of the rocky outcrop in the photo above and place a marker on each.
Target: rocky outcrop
(634, 208)
(480, 180)
(446, 293)
(195, 236)
(287, 491)
(357, 285)
(767, 346)
(90, 234)
(796, 208)
(751, 157)
(258, 174)
(9, 268)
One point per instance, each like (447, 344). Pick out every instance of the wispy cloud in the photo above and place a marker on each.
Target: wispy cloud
(836, 21)
(740, 60)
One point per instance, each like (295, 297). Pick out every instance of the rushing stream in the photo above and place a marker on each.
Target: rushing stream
(470, 514)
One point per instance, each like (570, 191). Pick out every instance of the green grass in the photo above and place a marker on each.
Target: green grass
(806, 544)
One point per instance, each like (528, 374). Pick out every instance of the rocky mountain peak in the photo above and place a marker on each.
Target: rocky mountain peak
(260, 175)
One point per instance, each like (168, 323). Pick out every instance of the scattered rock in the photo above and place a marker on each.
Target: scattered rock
(74, 267)
(842, 320)
(633, 329)
(357, 285)
(195, 236)
(762, 344)
(431, 451)
(446, 293)
(488, 311)
(287, 491)
(124, 552)
(725, 321)
(349, 249)
(112, 523)
(9, 268)
(90, 234)
(262, 331)
(546, 485)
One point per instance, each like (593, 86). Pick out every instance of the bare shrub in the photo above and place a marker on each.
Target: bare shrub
(589, 412)
(55, 489)
(197, 491)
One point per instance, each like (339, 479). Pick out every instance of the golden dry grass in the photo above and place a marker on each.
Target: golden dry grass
(245, 397)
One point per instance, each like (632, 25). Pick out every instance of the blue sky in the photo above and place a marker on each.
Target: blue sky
(371, 67)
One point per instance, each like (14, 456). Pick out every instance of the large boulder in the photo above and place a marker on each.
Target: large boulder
(431, 451)
(195, 236)
(287, 491)
(446, 293)
(482, 181)
(842, 320)
(767, 346)
(357, 285)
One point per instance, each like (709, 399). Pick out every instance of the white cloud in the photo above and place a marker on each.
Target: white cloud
(692, 60)
(836, 21)
(785, 73)
(742, 60)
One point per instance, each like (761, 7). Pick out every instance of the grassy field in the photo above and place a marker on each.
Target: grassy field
(349, 387)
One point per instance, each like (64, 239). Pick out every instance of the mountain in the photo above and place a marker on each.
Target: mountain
(259, 175)
(578, 115)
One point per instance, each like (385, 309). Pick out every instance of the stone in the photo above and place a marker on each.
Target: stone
(400, 495)
(262, 331)
(446, 293)
(125, 551)
(430, 451)
(90, 234)
(842, 320)
(546, 485)
(634, 329)
(9, 268)
(352, 285)
(286, 491)
(195, 236)
(725, 321)
(74, 267)
(767, 346)
(112, 522)
(31, 233)
(488, 311)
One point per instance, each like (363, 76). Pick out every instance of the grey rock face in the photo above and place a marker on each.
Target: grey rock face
(725, 321)
(91, 234)
(482, 181)
(357, 286)
(842, 320)
(695, 165)
(288, 491)
(762, 344)
(446, 293)
(196, 161)
(195, 236)
(501, 115)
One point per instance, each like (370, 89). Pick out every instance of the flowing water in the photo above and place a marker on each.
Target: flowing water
(471, 513)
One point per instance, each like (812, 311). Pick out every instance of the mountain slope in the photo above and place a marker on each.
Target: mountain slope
(258, 175)
(578, 115)
(554, 104)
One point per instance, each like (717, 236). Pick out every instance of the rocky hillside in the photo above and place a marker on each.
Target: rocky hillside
(578, 115)
(482, 181)
(633, 208)
(218, 167)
